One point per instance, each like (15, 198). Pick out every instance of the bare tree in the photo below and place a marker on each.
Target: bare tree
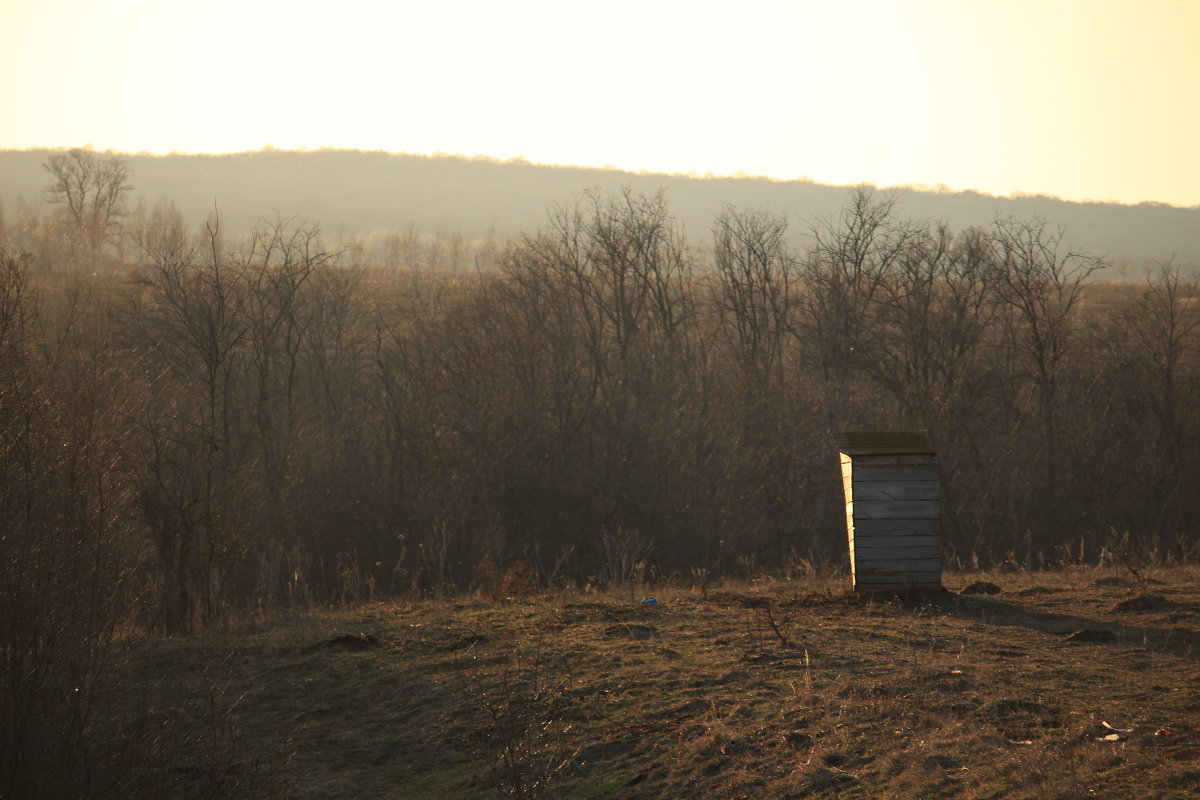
(842, 277)
(190, 309)
(1040, 285)
(161, 237)
(1164, 326)
(840, 281)
(91, 190)
(754, 267)
(929, 322)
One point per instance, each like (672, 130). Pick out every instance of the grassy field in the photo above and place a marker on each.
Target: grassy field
(1078, 684)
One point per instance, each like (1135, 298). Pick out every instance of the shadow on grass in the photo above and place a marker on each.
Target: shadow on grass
(1075, 629)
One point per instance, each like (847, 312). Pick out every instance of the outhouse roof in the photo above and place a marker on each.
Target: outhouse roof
(862, 443)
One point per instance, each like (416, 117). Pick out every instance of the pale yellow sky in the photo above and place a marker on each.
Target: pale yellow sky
(1083, 99)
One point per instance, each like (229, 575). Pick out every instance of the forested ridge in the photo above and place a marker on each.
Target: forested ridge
(369, 195)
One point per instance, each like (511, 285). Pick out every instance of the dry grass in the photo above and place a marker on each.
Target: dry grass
(698, 696)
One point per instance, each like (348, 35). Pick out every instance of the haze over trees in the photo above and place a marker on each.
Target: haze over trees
(364, 193)
(89, 190)
(204, 420)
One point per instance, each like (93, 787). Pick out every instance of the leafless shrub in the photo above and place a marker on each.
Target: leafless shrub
(523, 705)
(623, 556)
(778, 623)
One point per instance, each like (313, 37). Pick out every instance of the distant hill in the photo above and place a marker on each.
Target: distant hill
(362, 192)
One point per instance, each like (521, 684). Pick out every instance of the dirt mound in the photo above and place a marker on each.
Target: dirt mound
(349, 641)
(1021, 719)
(632, 631)
(1033, 591)
(1144, 602)
(1126, 583)
(466, 642)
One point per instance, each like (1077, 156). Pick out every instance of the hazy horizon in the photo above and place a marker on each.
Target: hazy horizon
(371, 194)
(1078, 100)
(939, 188)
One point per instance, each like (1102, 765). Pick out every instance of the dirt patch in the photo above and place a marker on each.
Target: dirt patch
(353, 642)
(1091, 636)
(1144, 602)
(818, 599)
(736, 600)
(574, 613)
(1116, 581)
(630, 631)
(944, 762)
(1003, 653)
(824, 780)
(1019, 718)
(466, 642)
(982, 587)
(799, 740)
(1034, 591)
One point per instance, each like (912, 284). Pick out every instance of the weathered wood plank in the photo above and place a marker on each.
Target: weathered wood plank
(863, 568)
(869, 473)
(899, 579)
(868, 554)
(896, 509)
(898, 565)
(891, 460)
(905, 589)
(863, 542)
(899, 588)
(895, 527)
(896, 490)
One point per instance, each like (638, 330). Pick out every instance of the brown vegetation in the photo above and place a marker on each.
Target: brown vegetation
(590, 696)
(200, 425)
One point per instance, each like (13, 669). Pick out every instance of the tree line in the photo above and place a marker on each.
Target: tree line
(212, 421)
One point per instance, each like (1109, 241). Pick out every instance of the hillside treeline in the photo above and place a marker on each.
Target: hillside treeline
(365, 192)
(209, 421)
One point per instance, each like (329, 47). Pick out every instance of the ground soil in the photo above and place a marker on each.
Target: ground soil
(1071, 684)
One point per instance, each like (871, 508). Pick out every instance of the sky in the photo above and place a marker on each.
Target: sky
(1079, 99)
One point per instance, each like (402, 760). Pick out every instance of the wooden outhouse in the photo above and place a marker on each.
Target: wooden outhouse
(890, 479)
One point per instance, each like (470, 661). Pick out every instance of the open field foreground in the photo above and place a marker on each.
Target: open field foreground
(1078, 684)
